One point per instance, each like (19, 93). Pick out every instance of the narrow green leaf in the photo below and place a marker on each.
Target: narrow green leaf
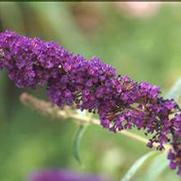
(175, 91)
(156, 167)
(76, 144)
(137, 165)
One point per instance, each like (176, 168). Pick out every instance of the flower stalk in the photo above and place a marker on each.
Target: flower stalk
(48, 109)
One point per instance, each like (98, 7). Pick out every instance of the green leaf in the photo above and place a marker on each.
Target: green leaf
(137, 165)
(175, 91)
(156, 167)
(76, 144)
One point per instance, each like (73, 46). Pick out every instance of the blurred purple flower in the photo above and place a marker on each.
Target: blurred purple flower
(64, 175)
(92, 85)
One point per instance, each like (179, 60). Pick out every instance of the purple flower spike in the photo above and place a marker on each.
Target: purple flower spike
(92, 85)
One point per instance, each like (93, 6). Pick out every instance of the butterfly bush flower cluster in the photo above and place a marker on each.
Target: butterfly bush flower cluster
(92, 85)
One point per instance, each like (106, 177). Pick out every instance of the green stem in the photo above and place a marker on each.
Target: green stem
(47, 108)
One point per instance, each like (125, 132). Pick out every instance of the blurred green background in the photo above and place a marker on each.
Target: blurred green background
(145, 47)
